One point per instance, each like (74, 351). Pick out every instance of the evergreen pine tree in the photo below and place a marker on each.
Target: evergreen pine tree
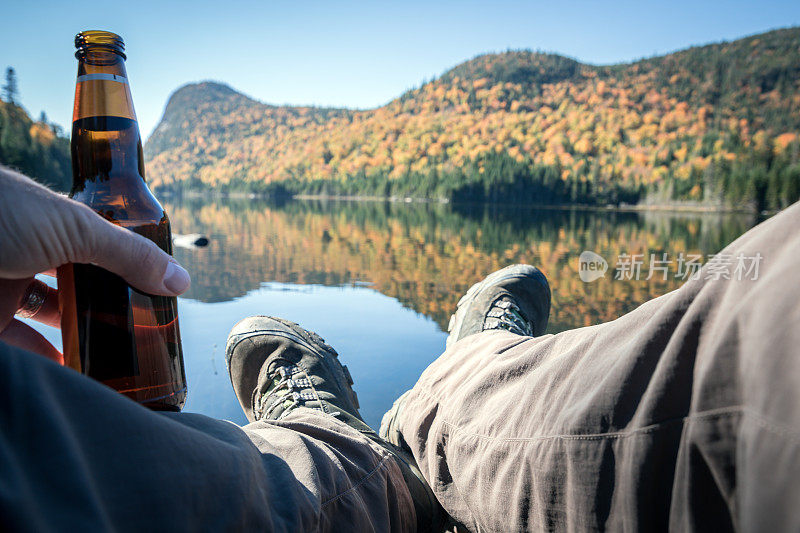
(10, 88)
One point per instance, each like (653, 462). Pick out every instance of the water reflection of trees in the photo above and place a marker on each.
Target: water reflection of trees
(427, 255)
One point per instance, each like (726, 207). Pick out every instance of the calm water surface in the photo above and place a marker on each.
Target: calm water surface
(379, 280)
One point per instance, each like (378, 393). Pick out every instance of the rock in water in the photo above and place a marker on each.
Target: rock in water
(191, 240)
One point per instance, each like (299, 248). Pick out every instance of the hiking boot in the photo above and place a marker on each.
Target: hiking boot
(515, 298)
(276, 366)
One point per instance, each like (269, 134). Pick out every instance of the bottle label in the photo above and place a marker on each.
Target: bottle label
(102, 76)
(102, 95)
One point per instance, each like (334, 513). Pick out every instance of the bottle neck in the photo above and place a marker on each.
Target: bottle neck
(102, 88)
(106, 146)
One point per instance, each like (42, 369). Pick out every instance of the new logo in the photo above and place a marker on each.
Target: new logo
(591, 266)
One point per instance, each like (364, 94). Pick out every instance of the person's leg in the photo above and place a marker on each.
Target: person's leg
(277, 368)
(77, 456)
(684, 413)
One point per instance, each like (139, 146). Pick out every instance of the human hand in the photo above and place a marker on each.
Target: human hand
(41, 230)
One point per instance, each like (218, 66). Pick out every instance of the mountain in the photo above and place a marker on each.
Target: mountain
(36, 149)
(713, 125)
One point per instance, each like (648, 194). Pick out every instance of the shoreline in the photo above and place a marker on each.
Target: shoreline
(639, 208)
(678, 208)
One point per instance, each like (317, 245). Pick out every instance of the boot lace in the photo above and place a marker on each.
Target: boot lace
(289, 388)
(505, 314)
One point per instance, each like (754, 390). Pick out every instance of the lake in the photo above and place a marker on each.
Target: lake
(379, 280)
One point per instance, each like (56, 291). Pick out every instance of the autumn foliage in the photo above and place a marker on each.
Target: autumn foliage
(35, 148)
(714, 125)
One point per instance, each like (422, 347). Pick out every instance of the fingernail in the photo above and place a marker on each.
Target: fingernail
(176, 279)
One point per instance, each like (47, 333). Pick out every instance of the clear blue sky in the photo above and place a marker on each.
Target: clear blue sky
(353, 54)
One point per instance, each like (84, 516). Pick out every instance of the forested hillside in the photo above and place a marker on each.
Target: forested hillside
(36, 149)
(712, 125)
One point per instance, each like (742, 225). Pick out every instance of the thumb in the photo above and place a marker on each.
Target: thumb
(134, 258)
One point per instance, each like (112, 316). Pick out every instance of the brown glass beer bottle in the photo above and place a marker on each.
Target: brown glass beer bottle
(111, 332)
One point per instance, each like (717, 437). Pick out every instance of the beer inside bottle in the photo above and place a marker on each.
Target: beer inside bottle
(112, 332)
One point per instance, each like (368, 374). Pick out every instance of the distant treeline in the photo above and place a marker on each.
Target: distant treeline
(758, 181)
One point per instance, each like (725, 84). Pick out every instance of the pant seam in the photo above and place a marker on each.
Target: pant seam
(360, 482)
(761, 420)
(712, 413)
(771, 425)
(464, 500)
(652, 428)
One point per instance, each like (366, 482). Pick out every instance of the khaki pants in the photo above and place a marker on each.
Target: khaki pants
(684, 414)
